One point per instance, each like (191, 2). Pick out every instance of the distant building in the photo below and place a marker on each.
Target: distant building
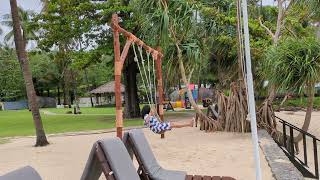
(105, 93)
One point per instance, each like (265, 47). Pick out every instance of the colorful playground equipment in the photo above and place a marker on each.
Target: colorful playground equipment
(179, 98)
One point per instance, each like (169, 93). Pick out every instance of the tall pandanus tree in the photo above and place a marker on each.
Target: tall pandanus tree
(294, 18)
(294, 65)
(173, 26)
(24, 64)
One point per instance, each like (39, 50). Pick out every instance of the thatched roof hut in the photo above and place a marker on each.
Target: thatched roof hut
(106, 88)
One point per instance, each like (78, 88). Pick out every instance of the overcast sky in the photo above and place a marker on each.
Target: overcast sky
(36, 5)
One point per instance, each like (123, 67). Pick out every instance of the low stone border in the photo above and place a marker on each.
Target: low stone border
(281, 166)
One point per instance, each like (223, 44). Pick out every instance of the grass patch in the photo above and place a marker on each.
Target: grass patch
(20, 123)
(84, 110)
(299, 102)
(4, 141)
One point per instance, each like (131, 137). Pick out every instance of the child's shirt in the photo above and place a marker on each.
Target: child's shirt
(155, 125)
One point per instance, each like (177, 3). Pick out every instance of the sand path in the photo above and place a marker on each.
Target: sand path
(185, 149)
(297, 119)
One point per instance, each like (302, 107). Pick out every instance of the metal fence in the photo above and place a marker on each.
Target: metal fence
(300, 160)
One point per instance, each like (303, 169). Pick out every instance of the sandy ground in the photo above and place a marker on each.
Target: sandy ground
(297, 119)
(185, 149)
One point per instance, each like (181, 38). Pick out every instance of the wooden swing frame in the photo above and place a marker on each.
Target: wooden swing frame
(119, 59)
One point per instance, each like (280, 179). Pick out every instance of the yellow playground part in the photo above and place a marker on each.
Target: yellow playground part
(177, 104)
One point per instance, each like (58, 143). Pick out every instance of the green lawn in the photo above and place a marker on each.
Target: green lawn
(300, 102)
(84, 110)
(20, 123)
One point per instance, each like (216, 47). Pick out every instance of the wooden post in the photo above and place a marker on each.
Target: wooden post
(119, 60)
(117, 76)
(160, 85)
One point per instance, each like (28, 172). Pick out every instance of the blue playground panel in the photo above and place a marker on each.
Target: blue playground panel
(195, 95)
(15, 105)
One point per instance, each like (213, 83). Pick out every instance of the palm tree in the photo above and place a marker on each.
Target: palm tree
(294, 65)
(20, 43)
(25, 18)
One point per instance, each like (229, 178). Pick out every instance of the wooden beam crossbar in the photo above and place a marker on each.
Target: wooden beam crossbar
(131, 37)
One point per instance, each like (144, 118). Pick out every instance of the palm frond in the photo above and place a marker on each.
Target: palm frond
(293, 63)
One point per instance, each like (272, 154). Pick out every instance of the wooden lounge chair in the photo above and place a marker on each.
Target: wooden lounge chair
(149, 168)
(24, 173)
(110, 157)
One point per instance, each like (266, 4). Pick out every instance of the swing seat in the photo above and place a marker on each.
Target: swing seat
(149, 168)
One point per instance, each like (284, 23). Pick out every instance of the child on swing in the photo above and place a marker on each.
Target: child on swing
(156, 126)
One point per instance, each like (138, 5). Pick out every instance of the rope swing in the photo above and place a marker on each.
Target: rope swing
(147, 74)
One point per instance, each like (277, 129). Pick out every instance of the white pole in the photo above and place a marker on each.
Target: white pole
(251, 104)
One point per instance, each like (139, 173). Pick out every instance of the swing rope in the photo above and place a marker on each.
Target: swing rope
(136, 60)
(145, 73)
(147, 78)
(150, 83)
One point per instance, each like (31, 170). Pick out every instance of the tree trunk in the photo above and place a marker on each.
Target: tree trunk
(24, 63)
(205, 122)
(59, 96)
(76, 97)
(64, 93)
(91, 100)
(97, 99)
(307, 120)
(132, 109)
(199, 94)
(186, 81)
(240, 42)
(88, 86)
(35, 82)
(66, 88)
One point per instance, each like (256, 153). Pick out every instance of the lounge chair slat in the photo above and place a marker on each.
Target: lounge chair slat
(111, 157)
(24, 173)
(119, 159)
(104, 163)
(92, 170)
(147, 160)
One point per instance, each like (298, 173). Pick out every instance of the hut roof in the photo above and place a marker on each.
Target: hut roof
(106, 88)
